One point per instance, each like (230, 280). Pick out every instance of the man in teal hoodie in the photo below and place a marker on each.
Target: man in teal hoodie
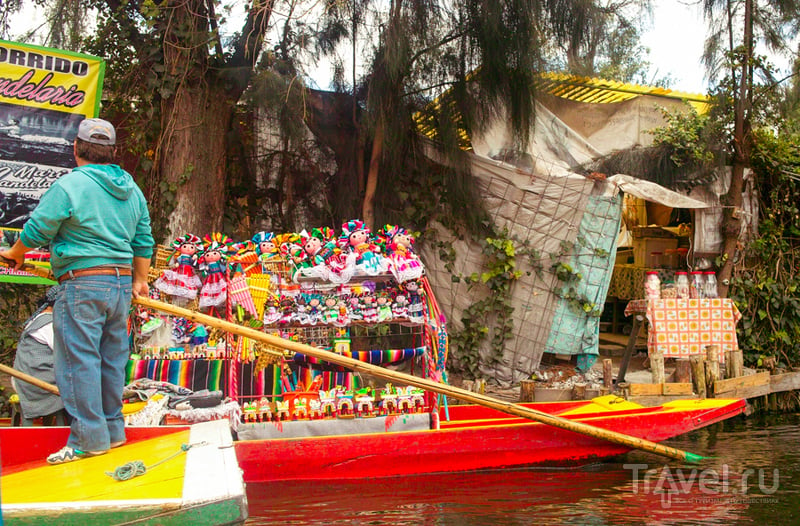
(96, 223)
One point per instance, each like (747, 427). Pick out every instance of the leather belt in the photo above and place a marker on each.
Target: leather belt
(95, 271)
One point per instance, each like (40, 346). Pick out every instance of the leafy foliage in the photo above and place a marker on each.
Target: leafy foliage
(491, 315)
(765, 284)
(17, 302)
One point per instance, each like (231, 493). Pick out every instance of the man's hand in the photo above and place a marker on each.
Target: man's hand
(12, 259)
(16, 254)
(140, 289)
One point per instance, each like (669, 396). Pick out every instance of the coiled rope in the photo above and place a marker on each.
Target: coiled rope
(135, 468)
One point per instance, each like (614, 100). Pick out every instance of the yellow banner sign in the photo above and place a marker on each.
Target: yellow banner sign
(52, 79)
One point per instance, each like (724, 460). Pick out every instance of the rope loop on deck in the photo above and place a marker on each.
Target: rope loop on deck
(135, 468)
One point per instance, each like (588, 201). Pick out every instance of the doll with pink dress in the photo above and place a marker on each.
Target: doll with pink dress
(399, 248)
(214, 291)
(181, 280)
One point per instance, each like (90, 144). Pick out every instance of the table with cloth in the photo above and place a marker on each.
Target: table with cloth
(680, 328)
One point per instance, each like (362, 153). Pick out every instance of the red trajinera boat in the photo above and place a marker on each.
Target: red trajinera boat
(469, 438)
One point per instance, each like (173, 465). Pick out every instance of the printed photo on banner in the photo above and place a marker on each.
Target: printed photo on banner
(44, 95)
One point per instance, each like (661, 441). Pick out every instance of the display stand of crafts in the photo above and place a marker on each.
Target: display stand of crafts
(363, 295)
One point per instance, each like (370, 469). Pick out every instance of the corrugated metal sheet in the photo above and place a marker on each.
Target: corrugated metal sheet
(602, 91)
(589, 90)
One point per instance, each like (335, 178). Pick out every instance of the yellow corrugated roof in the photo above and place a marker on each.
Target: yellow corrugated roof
(602, 91)
(589, 90)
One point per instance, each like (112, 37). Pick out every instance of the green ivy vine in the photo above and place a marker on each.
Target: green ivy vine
(489, 317)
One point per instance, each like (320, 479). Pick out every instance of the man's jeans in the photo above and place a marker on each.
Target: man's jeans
(90, 319)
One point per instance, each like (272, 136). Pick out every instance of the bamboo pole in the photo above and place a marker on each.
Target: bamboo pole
(436, 387)
(50, 388)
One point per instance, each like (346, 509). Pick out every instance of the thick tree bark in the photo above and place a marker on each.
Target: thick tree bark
(731, 223)
(368, 211)
(193, 160)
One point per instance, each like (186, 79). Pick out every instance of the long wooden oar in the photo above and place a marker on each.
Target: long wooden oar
(50, 388)
(436, 387)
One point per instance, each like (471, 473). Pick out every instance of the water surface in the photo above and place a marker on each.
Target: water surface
(751, 479)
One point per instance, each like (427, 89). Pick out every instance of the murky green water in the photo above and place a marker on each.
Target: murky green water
(753, 478)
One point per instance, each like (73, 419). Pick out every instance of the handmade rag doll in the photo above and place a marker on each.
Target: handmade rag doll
(214, 291)
(384, 302)
(416, 301)
(399, 248)
(181, 280)
(360, 250)
(317, 248)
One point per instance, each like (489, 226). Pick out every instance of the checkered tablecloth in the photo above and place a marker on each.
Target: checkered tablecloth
(682, 327)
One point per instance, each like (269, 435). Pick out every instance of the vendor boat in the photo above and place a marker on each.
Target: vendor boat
(460, 438)
(184, 475)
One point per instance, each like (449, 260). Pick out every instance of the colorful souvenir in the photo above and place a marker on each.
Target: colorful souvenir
(416, 301)
(399, 248)
(214, 291)
(327, 400)
(264, 409)
(272, 310)
(360, 250)
(384, 305)
(265, 246)
(181, 280)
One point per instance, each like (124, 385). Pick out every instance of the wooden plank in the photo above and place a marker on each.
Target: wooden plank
(741, 383)
(677, 389)
(779, 383)
(645, 389)
(667, 389)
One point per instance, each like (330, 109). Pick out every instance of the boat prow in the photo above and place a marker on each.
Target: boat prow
(191, 476)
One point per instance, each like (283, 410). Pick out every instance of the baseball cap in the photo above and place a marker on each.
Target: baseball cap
(97, 131)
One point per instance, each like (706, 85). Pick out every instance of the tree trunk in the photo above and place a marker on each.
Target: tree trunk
(195, 161)
(731, 223)
(368, 210)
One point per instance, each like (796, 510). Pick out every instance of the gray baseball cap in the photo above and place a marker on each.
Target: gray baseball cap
(97, 131)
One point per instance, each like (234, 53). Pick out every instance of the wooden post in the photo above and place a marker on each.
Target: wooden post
(526, 392)
(608, 374)
(696, 362)
(711, 369)
(728, 365)
(626, 357)
(579, 392)
(737, 363)
(683, 371)
(657, 367)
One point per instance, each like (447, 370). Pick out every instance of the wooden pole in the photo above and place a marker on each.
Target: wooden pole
(526, 390)
(683, 371)
(728, 365)
(711, 369)
(737, 363)
(698, 374)
(657, 367)
(423, 383)
(50, 388)
(608, 374)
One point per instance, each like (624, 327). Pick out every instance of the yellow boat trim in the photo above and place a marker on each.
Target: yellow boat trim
(601, 404)
(86, 480)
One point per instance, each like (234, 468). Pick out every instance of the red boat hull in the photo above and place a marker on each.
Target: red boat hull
(475, 438)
